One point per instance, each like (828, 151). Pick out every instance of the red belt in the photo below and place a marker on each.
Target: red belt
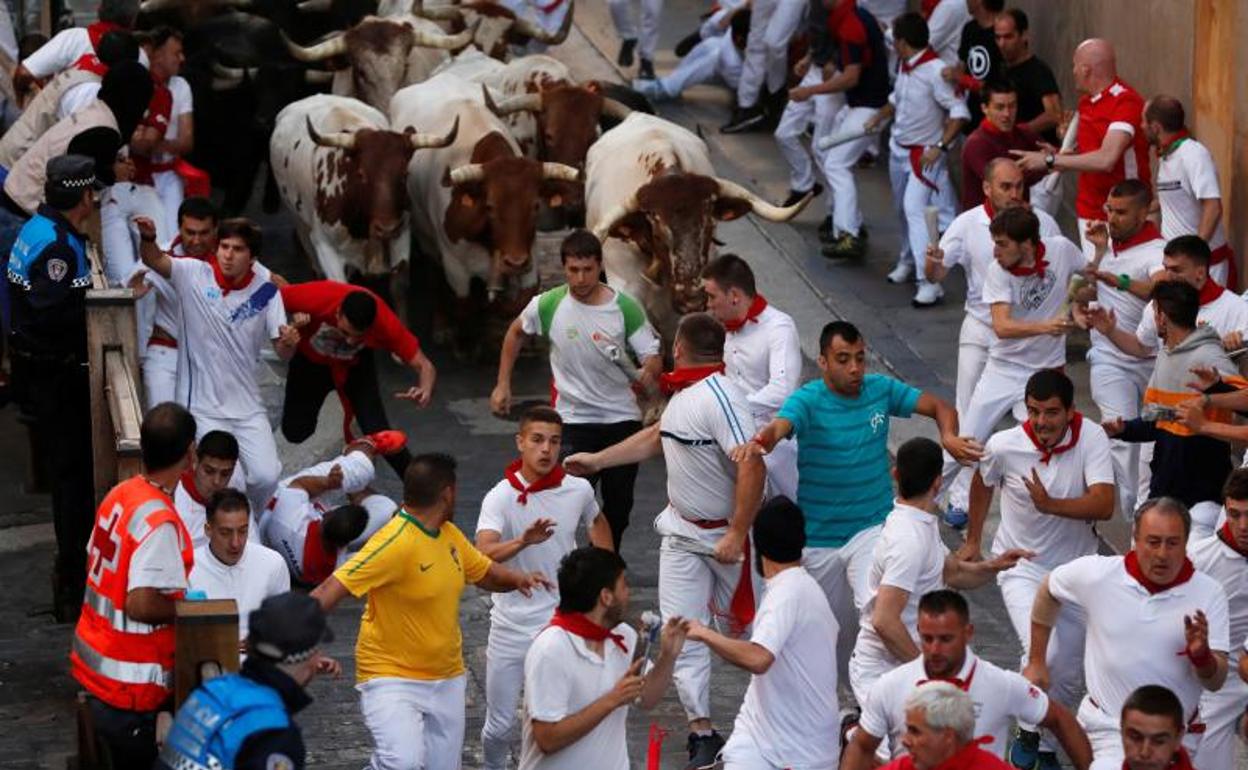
(161, 342)
(1224, 253)
(916, 164)
(741, 608)
(551, 7)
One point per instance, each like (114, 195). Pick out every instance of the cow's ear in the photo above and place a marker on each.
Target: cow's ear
(593, 87)
(633, 227)
(465, 216)
(728, 209)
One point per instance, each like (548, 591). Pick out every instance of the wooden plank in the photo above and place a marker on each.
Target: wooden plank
(125, 410)
(204, 632)
(112, 333)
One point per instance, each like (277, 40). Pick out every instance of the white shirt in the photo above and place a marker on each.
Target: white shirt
(157, 561)
(60, 53)
(1186, 177)
(183, 104)
(1140, 262)
(764, 358)
(1034, 298)
(284, 527)
(922, 98)
(1134, 637)
(911, 556)
(1228, 313)
(589, 387)
(968, 243)
(1226, 566)
(1000, 697)
(77, 97)
(944, 28)
(1010, 456)
(569, 505)
(166, 313)
(561, 677)
(791, 709)
(224, 334)
(699, 427)
(259, 574)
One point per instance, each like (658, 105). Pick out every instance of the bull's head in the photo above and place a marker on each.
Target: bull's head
(495, 26)
(495, 201)
(671, 219)
(370, 197)
(273, 85)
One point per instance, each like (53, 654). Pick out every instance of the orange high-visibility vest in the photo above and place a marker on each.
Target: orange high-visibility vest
(121, 661)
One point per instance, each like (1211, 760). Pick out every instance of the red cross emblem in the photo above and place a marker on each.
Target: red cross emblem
(105, 543)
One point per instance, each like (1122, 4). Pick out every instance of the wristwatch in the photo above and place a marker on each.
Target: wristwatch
(1049, 160)
(943, 147)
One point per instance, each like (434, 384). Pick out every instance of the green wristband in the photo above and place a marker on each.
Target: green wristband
(1124, 282)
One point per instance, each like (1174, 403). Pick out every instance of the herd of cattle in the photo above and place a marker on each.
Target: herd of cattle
(434, 146)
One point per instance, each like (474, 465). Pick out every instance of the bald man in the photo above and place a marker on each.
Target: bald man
(1110, 140)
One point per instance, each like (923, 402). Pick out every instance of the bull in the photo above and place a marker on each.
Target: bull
(494, 26)
(654, 200)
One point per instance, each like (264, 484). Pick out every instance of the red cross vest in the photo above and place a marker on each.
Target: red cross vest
(123, 662)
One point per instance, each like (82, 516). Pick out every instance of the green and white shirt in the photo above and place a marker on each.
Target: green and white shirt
(589, 387)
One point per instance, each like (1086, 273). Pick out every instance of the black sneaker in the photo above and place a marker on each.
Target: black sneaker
(704, 750)
(743, 120)
(795, 196)
(687, 43)
(625, 59)
(645, 70)
(845, 246)
(827, 234)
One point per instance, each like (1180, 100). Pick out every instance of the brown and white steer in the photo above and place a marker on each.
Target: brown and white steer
(383, 54)
(495, 27)
(342, 172)
(653, 198)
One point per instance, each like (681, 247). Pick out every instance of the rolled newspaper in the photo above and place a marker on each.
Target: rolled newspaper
(841, 137)
(1051, 181)
(616, 355)
(931, 215)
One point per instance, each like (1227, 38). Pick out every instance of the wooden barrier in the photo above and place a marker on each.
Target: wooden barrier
(206, 644)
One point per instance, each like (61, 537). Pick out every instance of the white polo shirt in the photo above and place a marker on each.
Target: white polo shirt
(1034, 298)
(223, 334)
(791, 709)
(923, 100)
(1140, 262)
(569, 505)
(561, 677)
(911, 556)
(183, 104)
(259, 574)
(1000, 697)
(699, 427)
(1010, 456)
(1187, 176)
(1230, 569)
(764, 358)
(1133, 637)
(1228, 313)
(968, 243)
(60, 53)
(166, 313)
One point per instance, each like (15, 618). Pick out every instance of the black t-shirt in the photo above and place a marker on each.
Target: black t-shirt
(872, 89)
(982, 60)
(1034, 81)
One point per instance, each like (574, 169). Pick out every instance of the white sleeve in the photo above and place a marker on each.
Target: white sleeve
(279, 575)
(492, 515)
(1068, 582)
(876, 718)
(901, 566)
(1203, 174)
(784, 367)
(992, 465)
(55, 55)
(1024, 701)
(945, 96)
(945, 27)
(530, 321)
(997, 287)
(183, 100)
(953, 244)
(589, 509)
(730, 423)
(547, 686)
(774, 623)
(643, 342)
(157, 561)
(1218, 615)
(1146, 332)
(1097, 466)
(182, 272)
(275, 316)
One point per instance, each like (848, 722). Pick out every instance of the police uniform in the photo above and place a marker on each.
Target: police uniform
(48, 276)
(243, 721)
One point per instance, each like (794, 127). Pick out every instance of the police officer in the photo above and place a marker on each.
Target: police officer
(48, 277)
(243, 721)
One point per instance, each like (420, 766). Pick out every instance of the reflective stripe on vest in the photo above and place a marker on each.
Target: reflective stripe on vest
(125, 671)
(103, 607)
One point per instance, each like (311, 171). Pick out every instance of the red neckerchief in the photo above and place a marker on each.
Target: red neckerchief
(318, 561)
(989, 127)
(962, 684)
(1224, 534)
(99, 29)
(1148, 232)
(158, 115)
(1046, 454)
(549, 481)
(926, 7)
(1172, 145)
(927, 55)
(1132, 564)
(1036, 269)
(989, 210)
(1181, 761)
(577, 624)
(1210, 291)
(757, 306)
(89, 62)
(680, 378)
(188, 483)
(846, 28)
(225, 284)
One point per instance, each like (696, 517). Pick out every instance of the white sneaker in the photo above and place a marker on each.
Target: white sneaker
(902, 272)
(927, 295)
(652, 90)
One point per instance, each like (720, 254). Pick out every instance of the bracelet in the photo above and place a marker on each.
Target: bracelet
(1124, 282)
(1202, 660)
(1205, 398)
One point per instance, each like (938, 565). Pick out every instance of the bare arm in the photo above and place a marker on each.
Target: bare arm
(149, 252)
(1243, 667)
(600, 533)
(860, 753)
(1044, 612)
(741, 653)
(500, 399)
(966, 575)
(890, 602)
(1210, 215)
(1066, 729)
(553, 736)
(184, 142)
(773, 433)
(977, 513)
(1101, 160)
(1048, 119)
(150, 605)
(329, 593)
(964, 450)
(426, 376)
(658, 678)
(491, 544)
(841, 81)
(1097, 504)
(640, 446)
(1008, 328)
(500, 579)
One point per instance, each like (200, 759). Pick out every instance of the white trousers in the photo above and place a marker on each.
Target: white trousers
(257, 452)
(1118, 390)
(999, 390)
(817, 111)
(690, 586)
(864, 672)
(357, 471)
(772, 25)
(626, 27)
(912, 196)
(119, 205)
(1066, 645)
(712, 25)
(1105, 735)
(741, 752)
(416, 724)
(504, 679)
(714, 57)
(1220, 712)
(843, 574)
(838, 168)
(974, 340)
(160, 374)
(171, 191)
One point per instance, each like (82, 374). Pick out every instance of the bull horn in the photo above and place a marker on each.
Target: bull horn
(429, 39)
(438, 12)
(614, 215)
(535, 31)
(521, 103)
(226, 84)
(317, 77)
(335, 46)
(654, 270)
(613, 109)
(148, 6)
(344, 140)
(433, 141)
(469, 172)
(761, 207)
(237, 3)
(313, 6)
(233, 73)
(560, 171)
